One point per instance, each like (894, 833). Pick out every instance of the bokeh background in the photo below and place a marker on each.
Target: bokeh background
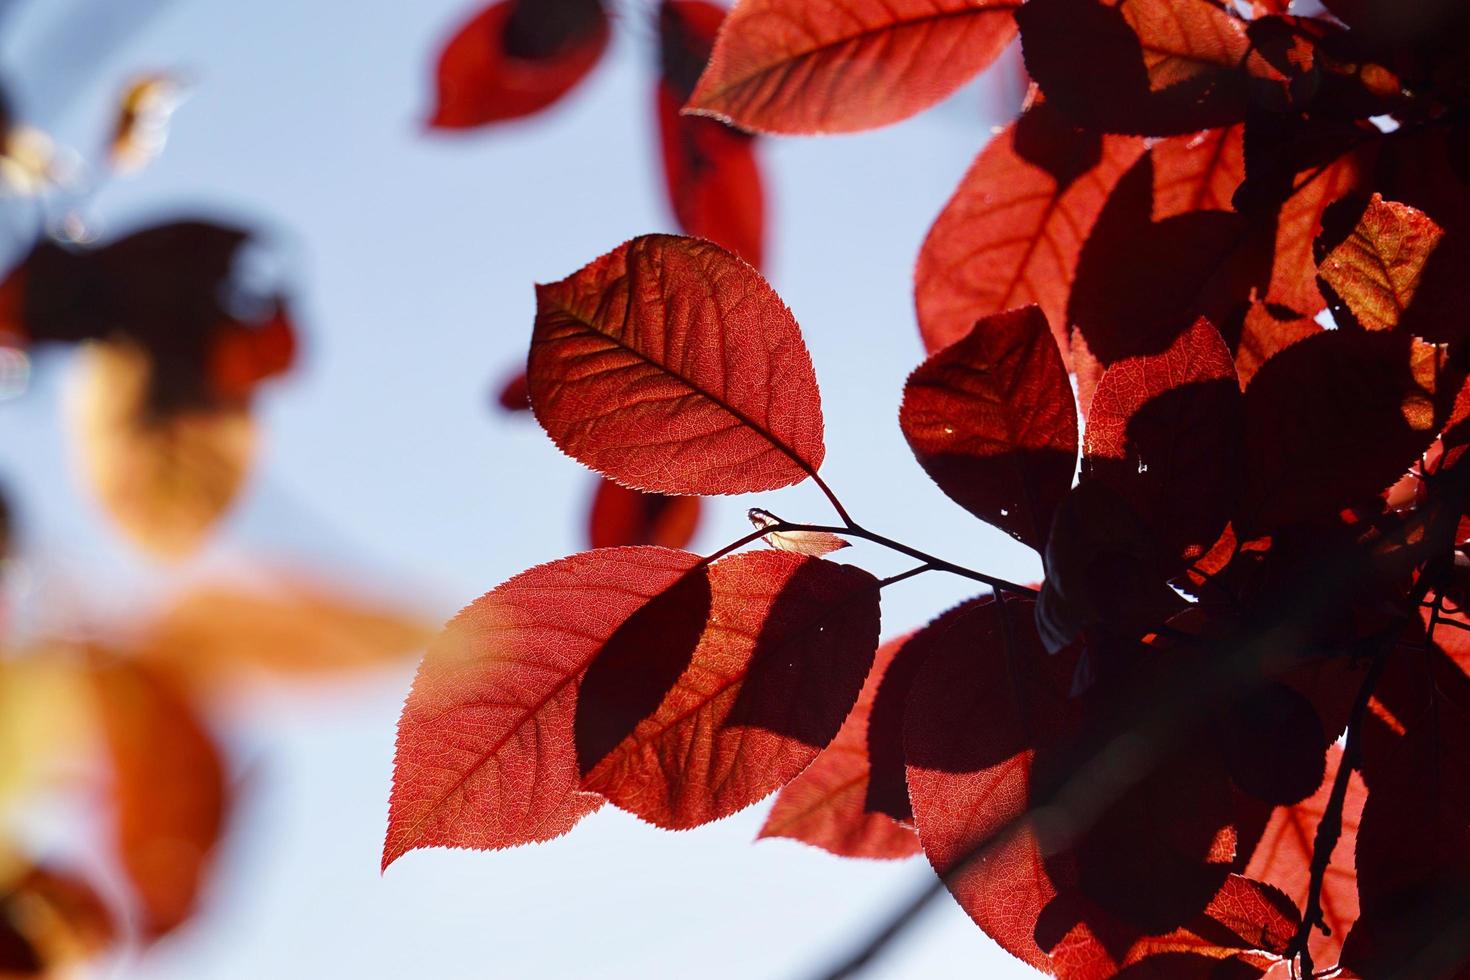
(385, 464)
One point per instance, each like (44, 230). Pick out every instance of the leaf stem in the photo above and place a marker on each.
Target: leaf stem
(895, 579)
(832, 499)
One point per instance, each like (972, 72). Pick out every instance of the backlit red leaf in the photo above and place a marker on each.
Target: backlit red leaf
(621, 516)
(993, 421)
(1011, 233)
(1299, 223)
(1283, 858)
(1151, 67)
(1241, 933)
(1381, 271)
(710, 169)
(792, 66)
(1267, 331)
(515, 58)
(670, 365)
(763, 688)
(1164, 433)
(826, 805)
(986, 696)
(486, 755)
(170, 799)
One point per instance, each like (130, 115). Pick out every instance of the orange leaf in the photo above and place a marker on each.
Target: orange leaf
(165, 478)
(168, 784)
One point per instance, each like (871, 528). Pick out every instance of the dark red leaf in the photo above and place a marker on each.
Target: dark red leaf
(1237, 936)
(1149, 67)
(1413, 853)
(620, 516)
(1267, 331)
(790, 66)
(710, 169)
(993, 421)
(827, 805)
(670, 365)
(486, 755)
(1334, 419)
(1149, 271)
(756, 695)
(515, 58)
(1164, 433)
(986, 696)
(515, 395)
(1012, 232)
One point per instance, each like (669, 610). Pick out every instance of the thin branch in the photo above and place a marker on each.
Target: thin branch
(1329, 828)
(895, 579)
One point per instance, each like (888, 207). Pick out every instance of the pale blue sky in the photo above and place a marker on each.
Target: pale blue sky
(414, 256)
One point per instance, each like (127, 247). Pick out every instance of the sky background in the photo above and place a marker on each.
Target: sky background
(412, 256)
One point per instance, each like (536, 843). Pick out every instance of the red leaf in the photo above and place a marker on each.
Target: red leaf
(791, 66)
(1333, 420)
(1299, 223)
(710, 169)
(169, 793)
(826, 806)
(486, 755)
(1199, 172)
(993, 421)
(760, 692)
(1267, 331)
(1150, 67)
(1283, 858)
(1164, 433)
(1243, 917)
(1148, 273)
(515, 58)
(670, 365)
(621, 516)
(1390, 273)
(515, 396)
(1012, 232)
(986, 696)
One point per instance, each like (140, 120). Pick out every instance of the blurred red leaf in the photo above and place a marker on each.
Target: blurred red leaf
(50, 922)
(986, 696)
(486, 755)
(1164, 433)
(515, 58)
(1148, 67)
(789, 66)
(515, 395)
(993, 421)
(765, 683)
(670, 365)
(1283, 858)
(621, 516)
(710, 169)
(827, 805)
(169, 792)
(1012, 232)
